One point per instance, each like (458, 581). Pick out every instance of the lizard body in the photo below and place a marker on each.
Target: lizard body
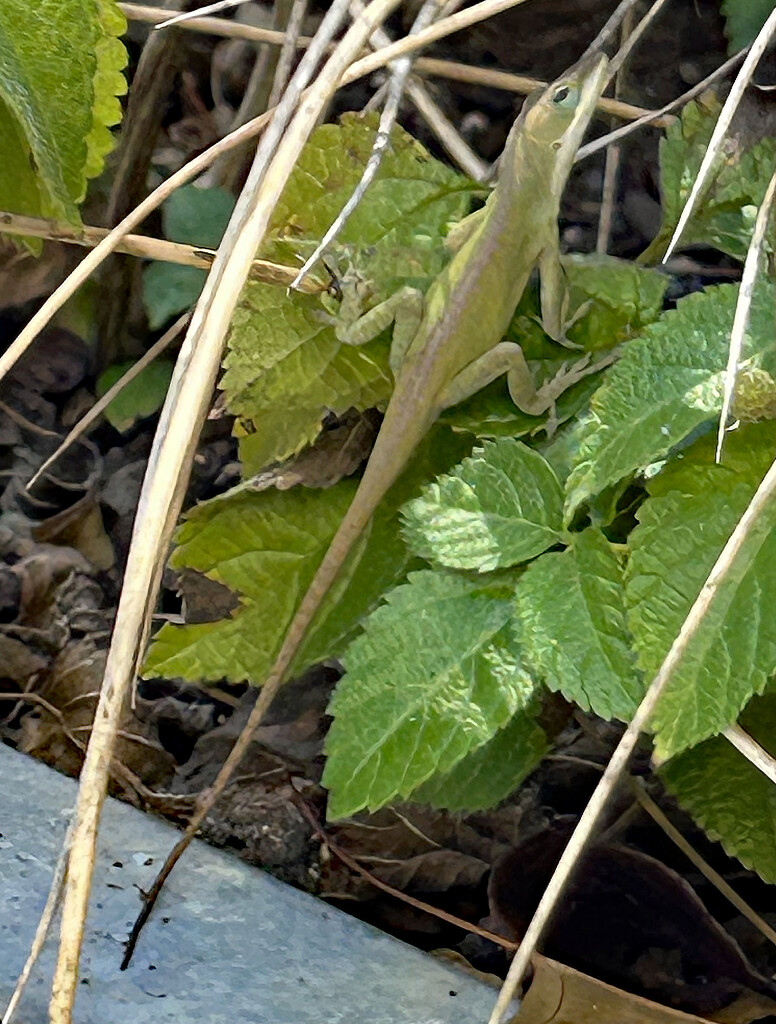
(455, 347)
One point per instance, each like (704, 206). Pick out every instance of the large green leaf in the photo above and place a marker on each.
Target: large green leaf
(725, 216)
(266, 547)
(692, 509)
(570, 617)
(501, 506)
(491, 772)
(730, 798)
(433, 677)
(743, 20)
(60, 75)
(284, 368)
(667, 383)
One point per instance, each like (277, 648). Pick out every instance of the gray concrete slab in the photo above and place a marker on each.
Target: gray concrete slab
(226, 943)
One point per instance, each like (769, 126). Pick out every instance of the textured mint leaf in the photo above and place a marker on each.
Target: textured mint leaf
(728, 797)
(142, 397)
(433, 677)
(284, 367)
(60, 74)
(285, 370)
(667, 384)
(724, 218)
(570, 618)
(265, 547)
(692, 509)
(492, 772)
(501, 506)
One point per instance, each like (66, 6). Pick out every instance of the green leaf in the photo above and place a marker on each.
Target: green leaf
(570, 618)
(667, 384)
(194, 216)
(500, 507)
(619, 298)
(168, 289)
(692, 509)
(490, 773)
(433, 677)
(197, 216)
(266, 548)
(725, 217)
(728, 797)
(142, 397)
(284, 368)
(743, 20)
(60, 74)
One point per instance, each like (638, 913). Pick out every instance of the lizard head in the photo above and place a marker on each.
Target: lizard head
(557, 117)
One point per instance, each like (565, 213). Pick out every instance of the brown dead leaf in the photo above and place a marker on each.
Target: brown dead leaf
(561, 995)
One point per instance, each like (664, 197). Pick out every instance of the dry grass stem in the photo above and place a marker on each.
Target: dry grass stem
(176, 438)
(752, 751)
(719, 883)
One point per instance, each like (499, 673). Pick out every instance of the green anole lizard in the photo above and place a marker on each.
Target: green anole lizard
(454, 348)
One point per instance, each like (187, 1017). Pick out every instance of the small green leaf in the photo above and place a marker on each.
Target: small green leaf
(728, 797)
(725, 217)
(570, 617)
(168, 289)
(142, 397)
(433, 677)
(490, 773)
(55, 112)
(194, 216)
(498, 508)
(743, 20)
(693, 507)
(285, 369)
(667, 383)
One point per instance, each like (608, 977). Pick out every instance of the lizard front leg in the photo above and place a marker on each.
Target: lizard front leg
(554, 294)
(403, 309)
(507, 358)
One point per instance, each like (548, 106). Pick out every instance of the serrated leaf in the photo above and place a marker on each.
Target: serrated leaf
(285, 369)
(142, 397)
(724, 218)
(667, 383)
(728, 797)
(692, 509)
(492, 772)
(60, 74)
(284, 364)
(266, 547)
(433, 677)
(743, 20)
(570, 618)
(500, 507)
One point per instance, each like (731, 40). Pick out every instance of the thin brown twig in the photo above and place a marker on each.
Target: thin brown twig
(443, 915)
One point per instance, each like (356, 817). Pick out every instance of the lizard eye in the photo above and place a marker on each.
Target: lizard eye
(566, 97)
(560, 94)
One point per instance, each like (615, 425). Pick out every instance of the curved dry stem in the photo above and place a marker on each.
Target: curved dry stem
(182, 416)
